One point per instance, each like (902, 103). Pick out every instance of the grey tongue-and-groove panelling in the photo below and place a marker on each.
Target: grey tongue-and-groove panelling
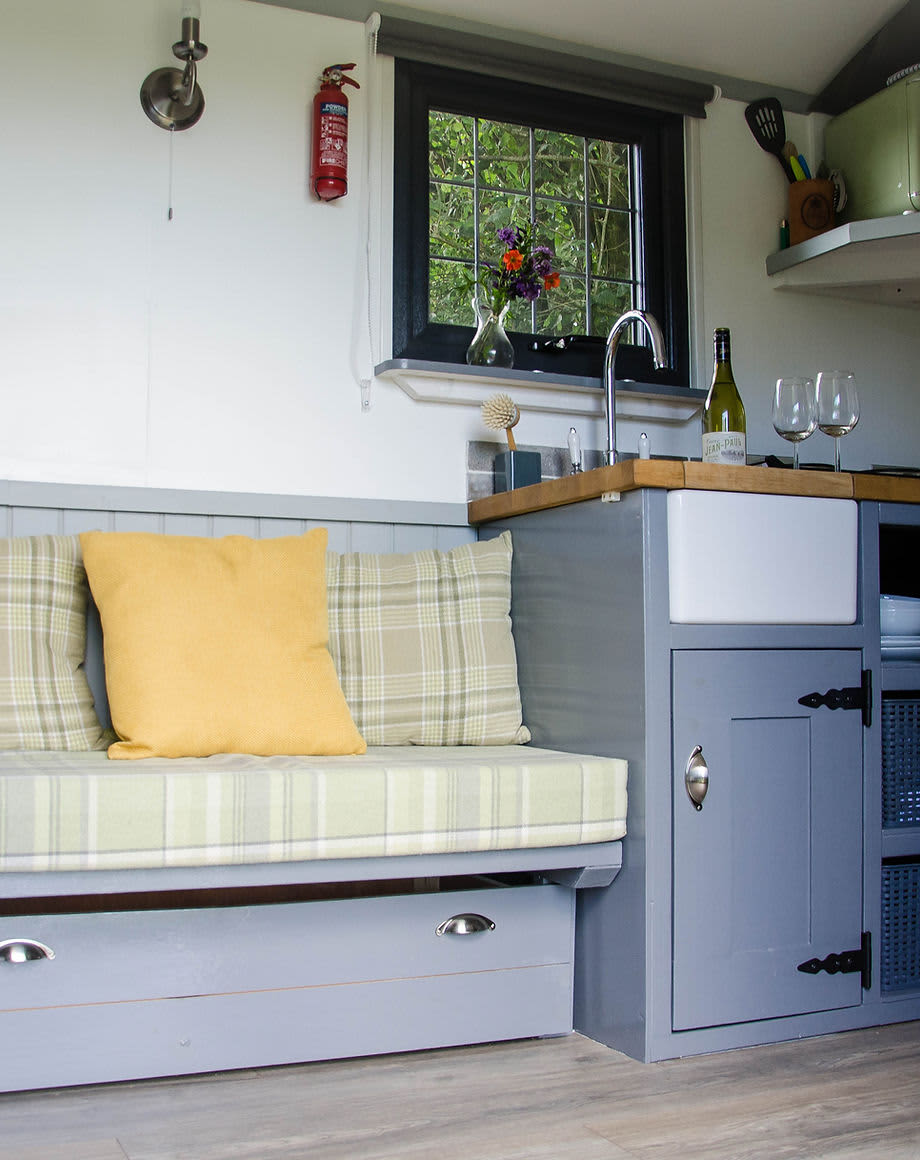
(354, 525)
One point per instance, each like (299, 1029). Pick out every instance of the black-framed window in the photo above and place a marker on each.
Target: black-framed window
(643, 146)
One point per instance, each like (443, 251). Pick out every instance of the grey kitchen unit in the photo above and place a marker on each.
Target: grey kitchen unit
(759, 916)
(895, 850)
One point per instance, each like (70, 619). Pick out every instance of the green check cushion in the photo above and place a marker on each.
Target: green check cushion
(45, 699)
(81, 811)
(423, 646)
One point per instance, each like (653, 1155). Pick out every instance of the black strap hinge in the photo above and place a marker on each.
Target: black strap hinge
(853, 697)
(845, 962)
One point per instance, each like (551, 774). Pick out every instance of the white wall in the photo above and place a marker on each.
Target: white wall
(216, 350)
(211, 351)
(743, 198)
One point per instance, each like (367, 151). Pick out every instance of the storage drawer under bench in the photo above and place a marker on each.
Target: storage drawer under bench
(160, 992)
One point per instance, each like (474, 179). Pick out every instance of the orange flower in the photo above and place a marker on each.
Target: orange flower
(551, 281)
(513, 260)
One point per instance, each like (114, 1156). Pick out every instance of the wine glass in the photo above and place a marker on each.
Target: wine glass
(838, 406)
(794, 413)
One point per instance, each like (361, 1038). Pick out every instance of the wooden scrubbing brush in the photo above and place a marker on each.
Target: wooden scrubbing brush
(500, 412)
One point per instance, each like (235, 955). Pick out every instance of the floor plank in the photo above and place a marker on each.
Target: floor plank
(74, 1150)
(851, 1097)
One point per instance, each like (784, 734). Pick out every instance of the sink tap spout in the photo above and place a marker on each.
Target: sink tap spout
(643, 318)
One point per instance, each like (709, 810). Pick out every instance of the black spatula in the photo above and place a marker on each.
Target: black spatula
(766, 122)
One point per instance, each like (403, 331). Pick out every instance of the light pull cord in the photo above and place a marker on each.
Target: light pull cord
(169, 196)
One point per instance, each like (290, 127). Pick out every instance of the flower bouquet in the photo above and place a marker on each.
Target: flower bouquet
(524, 270)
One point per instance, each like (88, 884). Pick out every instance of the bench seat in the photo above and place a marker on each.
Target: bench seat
(168, 917)
(81, 811)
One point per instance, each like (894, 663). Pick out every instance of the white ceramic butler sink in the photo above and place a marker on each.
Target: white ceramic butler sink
(738, 558)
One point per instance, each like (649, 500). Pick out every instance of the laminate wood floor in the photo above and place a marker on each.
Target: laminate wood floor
(852, 1096)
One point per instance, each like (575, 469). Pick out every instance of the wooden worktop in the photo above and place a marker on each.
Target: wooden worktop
(673, 474)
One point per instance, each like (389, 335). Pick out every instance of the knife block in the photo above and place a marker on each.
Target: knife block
(811, 209)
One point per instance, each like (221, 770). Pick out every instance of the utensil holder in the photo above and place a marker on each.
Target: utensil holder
(811, 209)
(515, 469)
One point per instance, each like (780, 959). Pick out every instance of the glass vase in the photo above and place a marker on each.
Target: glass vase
(490, 347)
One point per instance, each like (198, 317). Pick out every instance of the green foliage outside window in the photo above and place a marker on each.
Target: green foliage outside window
(485, 175)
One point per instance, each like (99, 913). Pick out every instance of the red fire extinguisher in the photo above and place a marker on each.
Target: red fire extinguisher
(329, 168)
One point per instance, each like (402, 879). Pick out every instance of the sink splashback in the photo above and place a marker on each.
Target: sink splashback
(738, 558)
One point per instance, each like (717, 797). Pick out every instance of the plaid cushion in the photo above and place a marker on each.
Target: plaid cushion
(45, 700)
(423, 647)
(80, 811)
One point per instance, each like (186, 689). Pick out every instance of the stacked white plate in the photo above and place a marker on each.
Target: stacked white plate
(900, 623)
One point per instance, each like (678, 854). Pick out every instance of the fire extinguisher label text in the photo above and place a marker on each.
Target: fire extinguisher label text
(333, 130)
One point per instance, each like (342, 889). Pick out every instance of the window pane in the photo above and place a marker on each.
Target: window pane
(450, 230)
(608, 173)
(562, 310)
(449, 301)
(611, 248)
(562, 226)
(559, 164)
(501, 184)
(504, 155)
(495, 211)
(519, 316)
(608, 301)
(450, 146)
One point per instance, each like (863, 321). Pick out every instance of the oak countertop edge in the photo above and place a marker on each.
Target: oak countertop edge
(633, 474)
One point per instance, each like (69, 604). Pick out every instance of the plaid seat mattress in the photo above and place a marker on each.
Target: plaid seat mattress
(81, 811)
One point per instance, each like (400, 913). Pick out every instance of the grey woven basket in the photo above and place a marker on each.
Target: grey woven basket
(900, 950)
(901, 760)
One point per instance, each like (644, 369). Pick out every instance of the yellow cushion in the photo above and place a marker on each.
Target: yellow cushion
(217, 645)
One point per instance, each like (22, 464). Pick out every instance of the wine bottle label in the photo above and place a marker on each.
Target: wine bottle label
(725, 447)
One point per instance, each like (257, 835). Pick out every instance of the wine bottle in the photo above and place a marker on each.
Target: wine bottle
(724, 436)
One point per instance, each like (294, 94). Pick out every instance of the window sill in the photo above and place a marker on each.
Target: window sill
(435, 382)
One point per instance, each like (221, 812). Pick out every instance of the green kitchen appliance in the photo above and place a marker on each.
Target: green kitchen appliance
(876, 145)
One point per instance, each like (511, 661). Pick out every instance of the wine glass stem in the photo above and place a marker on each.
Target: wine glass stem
(795, 456)
(837, 454)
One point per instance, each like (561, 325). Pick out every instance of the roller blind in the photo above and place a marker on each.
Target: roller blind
(474, 52)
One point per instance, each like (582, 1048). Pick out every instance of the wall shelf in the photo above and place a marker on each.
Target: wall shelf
(869, 261)
(435, 382)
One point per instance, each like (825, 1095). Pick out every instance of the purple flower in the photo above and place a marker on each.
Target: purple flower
(510, 237)
(542, 261)
(527, 289)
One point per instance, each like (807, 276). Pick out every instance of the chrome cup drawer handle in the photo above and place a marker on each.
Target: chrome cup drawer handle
(23, 950)
(465, 924)
(696, 778)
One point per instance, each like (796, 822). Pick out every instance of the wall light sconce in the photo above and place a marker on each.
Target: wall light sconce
(171, 97)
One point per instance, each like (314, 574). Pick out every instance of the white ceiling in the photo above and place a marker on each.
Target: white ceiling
(792, 44)
(796, 45)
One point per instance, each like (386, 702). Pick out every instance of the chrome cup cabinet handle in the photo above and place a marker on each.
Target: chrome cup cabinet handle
(465, 924)
(696, 777)
(23, 950)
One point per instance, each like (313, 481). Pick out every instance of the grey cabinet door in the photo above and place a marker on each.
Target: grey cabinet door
(768, 874)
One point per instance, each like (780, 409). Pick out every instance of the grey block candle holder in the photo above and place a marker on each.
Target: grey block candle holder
(516, 469)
